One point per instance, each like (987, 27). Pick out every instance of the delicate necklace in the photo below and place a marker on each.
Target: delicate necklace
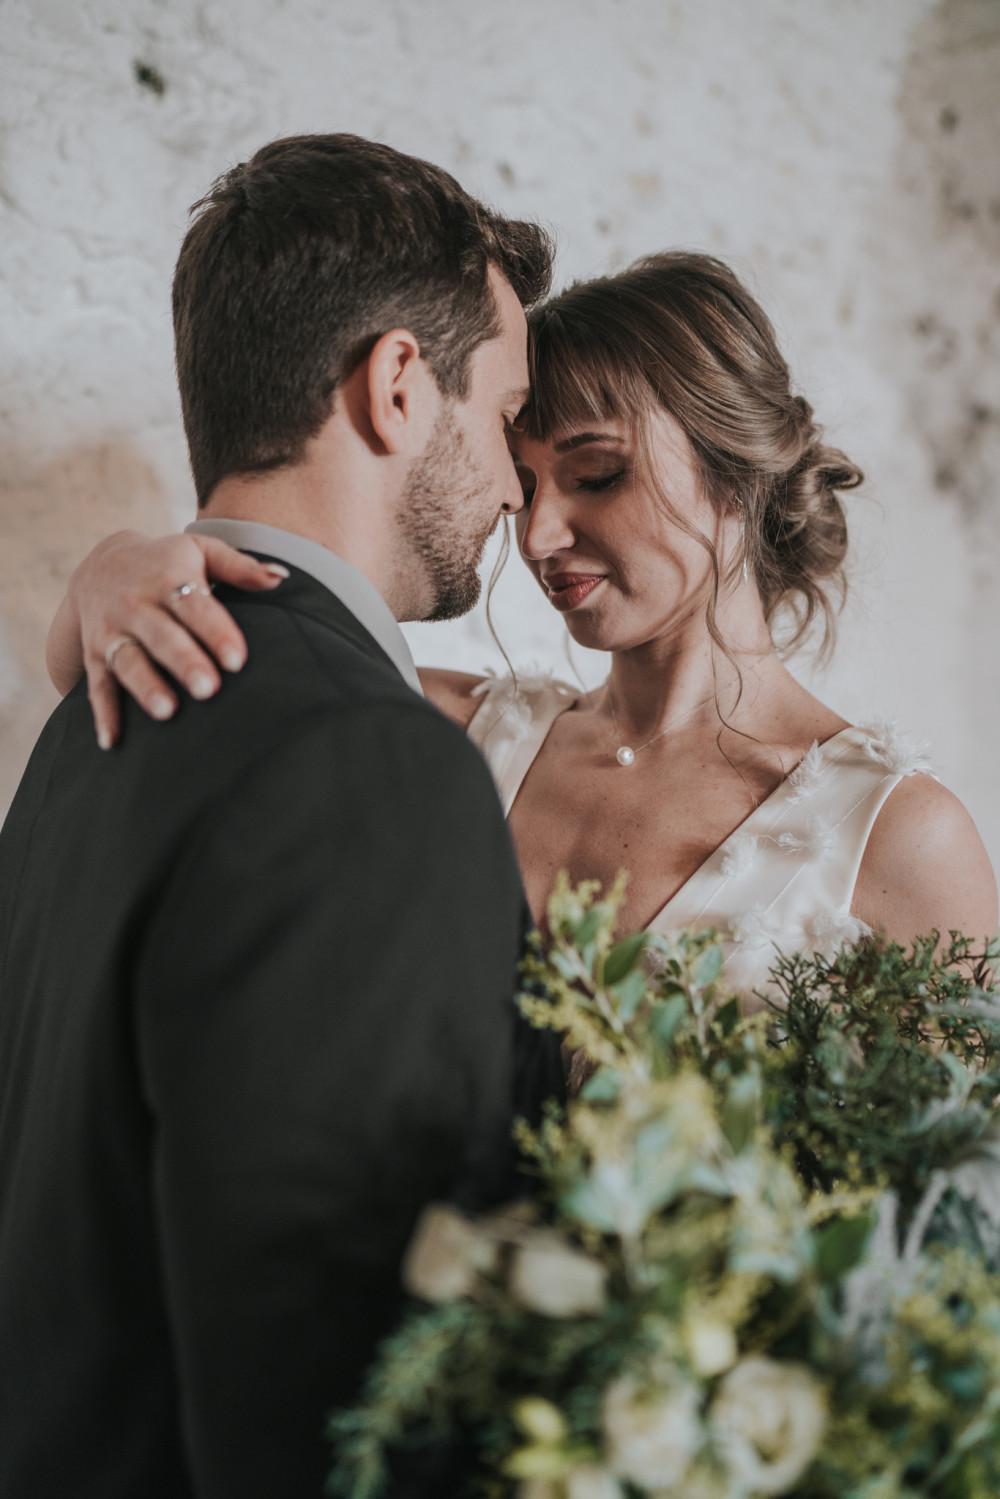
(625, 755)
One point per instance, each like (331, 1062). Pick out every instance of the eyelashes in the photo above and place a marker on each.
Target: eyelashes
(602, 482)
(598, 484)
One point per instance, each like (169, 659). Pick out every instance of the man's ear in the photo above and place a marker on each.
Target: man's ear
(402, 394)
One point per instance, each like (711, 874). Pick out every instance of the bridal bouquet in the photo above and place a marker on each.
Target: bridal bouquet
(764, 1258)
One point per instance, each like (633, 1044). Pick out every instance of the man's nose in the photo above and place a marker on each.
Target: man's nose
(545, 528)
(513, 499)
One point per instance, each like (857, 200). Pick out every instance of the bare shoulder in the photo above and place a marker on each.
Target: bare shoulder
(925, 867)
(452, 692)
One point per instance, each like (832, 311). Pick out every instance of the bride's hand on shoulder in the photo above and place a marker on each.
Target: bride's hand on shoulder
(135, 603)
(925, 867)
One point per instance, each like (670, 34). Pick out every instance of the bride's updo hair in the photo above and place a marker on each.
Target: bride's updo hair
(679, 331)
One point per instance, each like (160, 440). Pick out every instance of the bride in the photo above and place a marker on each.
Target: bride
(681, 513)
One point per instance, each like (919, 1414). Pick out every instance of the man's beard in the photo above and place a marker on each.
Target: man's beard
(441, 493)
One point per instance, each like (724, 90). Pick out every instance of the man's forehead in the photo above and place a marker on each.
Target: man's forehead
(506, 298)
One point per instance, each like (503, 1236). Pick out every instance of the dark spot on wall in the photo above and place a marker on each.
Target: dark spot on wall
(941, 343)
(955, 202)
(149, 77)
(948, 119)
(506, 174)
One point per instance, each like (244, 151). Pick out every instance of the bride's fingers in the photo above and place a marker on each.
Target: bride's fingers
(224, 564)
(193, 606)
(170, 642)
(102, 690)
(209, 622)
(130, 667)
(135, 672)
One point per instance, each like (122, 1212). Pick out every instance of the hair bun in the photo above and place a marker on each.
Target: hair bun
(804, 533)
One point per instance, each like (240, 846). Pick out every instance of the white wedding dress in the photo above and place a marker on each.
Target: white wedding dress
(784, 880)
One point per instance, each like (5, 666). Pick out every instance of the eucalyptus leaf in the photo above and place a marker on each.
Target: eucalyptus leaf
(708, 967)
(727, 1017)
(630, 993)
(839, 1246)
(604, 1087)
(623, 957)
(563, 965)
(669, 988)
(740, 1111)
(588, 928)
(667, 1017)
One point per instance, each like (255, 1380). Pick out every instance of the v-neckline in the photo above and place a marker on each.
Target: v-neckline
(709, 871)
(768, 811)
(764, 811)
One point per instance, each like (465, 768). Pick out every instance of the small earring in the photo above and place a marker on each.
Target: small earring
(743, 534)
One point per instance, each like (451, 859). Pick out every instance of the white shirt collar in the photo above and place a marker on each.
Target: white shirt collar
(343, 580)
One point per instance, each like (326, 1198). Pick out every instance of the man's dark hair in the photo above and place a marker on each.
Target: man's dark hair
(296, 264)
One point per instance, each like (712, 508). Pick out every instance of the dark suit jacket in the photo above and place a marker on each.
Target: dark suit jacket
(255, 1012)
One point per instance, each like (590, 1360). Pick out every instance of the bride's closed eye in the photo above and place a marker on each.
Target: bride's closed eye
(599, 483)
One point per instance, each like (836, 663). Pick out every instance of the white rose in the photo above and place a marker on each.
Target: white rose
(711, 1345)
(549, 1277)
(768, 1420)
(652, 1437)
(446, 1256)
(588, 1482)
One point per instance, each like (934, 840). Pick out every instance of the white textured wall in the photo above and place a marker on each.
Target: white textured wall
(842, 154)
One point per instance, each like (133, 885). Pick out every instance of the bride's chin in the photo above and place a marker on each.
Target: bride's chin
(590, 634)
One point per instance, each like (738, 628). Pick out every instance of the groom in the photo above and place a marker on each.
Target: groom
(257, 965)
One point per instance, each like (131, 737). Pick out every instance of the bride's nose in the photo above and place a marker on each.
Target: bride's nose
(544, 524)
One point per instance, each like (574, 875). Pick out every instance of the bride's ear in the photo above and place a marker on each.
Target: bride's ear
(400, 393)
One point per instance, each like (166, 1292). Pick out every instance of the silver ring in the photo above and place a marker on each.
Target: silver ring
(115, 647)
(184, 589)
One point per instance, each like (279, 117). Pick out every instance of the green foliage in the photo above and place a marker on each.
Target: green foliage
(761, 1258)
(882, 1063)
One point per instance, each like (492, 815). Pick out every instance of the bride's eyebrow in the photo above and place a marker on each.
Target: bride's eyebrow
(579, 439)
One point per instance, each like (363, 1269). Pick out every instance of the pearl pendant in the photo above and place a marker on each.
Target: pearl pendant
(625, 756)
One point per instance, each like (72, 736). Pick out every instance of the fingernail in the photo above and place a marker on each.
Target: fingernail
(201, 686)
(232, 660)
(161, 707)
(104, 740)
(276, 570)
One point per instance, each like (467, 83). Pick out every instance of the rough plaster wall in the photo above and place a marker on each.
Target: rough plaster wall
(842, 155)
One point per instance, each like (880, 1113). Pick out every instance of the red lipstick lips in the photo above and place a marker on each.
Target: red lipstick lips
(568, 590)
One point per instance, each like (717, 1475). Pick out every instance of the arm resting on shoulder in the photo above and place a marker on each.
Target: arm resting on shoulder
(925, 867)
(124, 589)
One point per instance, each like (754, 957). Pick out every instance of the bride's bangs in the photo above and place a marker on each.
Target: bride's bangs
(577, 378)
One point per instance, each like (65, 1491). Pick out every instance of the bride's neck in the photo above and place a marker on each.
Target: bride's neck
(664, 682)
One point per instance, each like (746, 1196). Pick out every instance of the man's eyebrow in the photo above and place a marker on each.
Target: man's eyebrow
(517, 397)
(579, 438)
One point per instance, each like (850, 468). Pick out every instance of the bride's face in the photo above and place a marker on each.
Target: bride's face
(596, 535)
